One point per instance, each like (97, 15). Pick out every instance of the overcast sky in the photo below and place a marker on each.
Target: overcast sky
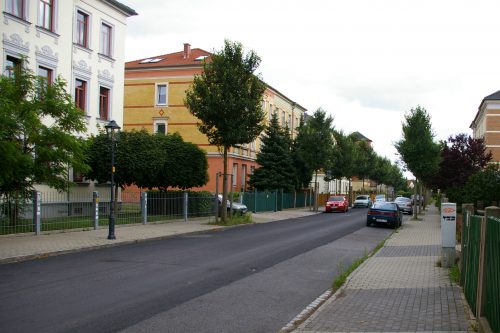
(366, 62)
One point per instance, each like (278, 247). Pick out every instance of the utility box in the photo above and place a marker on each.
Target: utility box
(448, 233)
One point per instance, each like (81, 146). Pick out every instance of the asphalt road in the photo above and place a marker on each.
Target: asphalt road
(246, 279)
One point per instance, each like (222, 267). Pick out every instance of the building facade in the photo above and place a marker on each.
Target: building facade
(486, 124)
(81, 41)
(155, 89)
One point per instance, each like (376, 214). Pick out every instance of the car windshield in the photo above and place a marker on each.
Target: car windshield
(336, 199)
(361, 197)
(402, 199)
(380, 196)
(385, 205)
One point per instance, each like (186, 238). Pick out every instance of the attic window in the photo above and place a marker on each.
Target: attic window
(200, 58)
(150, 60)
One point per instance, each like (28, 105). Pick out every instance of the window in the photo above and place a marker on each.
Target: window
(270, 111)
(244, 175)
(82, 29)
(46, 14)
(16, 8)
(44, 79)
(290, 121)
(160, 126)
(283, 119)
(81, 94)
(252, 170)
(235, 174)
(103, 103)
(106, 31)
(11, 63)
(161, 94)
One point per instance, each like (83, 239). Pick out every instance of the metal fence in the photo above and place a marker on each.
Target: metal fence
(470, 258)
(480, 266)
(268, 201)
(47, 211)
(492, 272)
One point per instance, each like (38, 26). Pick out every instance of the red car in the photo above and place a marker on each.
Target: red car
(337, 203)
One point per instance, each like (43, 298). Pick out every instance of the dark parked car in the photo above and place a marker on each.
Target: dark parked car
(386, 213)
(404, 205)
(337, 203)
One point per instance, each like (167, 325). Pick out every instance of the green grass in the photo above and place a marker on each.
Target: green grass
(235, 220)
(341, 279)
(454, 273)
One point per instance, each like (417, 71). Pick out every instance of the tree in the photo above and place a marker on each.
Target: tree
(461, 157)
(483, 186)
(168, 161)
(39, 128)
(417, 148)
(227, 97)
(315, 143)
(275, 160)
(365, 160)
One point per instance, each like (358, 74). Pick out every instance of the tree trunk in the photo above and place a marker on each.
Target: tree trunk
(415, 215)
(316, 191)
(223, 214)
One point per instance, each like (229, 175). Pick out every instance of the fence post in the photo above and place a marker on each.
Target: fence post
(467, 211)
(37, 216)
(255, 200)
(294, 199)
(481, 297)
(95, 209)
(144, 207)
(185, 206)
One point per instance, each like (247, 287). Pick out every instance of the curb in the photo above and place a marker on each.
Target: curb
(311, 310)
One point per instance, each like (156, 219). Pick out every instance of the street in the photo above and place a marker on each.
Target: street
(253, 279)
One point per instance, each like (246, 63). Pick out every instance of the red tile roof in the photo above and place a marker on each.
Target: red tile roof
(170, 60)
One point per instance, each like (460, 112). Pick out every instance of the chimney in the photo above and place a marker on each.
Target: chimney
(187, 50)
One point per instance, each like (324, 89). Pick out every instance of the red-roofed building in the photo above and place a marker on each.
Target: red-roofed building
(155, 89)
(486, 124)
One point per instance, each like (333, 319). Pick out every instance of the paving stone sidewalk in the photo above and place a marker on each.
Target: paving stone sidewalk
(400, 289)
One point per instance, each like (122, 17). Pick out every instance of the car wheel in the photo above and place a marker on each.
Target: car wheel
(368, 223)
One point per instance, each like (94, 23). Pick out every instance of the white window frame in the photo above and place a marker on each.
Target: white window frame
(112, 37)
(157, 96)
(88, 107)
(160, 121)
(89, 28)
(24, 16)
(54, 17)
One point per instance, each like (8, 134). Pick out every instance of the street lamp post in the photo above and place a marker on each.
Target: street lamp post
(111, 127)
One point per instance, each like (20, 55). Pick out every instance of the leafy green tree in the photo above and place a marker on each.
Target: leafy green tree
(227, 97)
(303, 173)
(315, 142)
(276, 165)
(483, 186)
(39, 128)
(365, 160)
(417, 148)
(148, 161)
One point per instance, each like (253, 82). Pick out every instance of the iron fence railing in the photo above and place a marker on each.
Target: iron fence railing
(470, 259)
(492, 272)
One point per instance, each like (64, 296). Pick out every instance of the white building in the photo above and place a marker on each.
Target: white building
(81, 41)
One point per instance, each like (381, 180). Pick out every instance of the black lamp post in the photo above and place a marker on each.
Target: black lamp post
(111, 127)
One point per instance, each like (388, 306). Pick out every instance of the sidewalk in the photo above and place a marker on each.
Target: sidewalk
(399, 289)
(20, 247)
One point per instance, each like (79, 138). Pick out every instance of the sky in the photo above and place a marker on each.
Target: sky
(366, 62)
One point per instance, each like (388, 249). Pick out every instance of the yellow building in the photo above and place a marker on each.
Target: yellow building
(155, 89)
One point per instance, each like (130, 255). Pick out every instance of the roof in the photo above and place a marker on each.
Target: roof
(361, 137)
(126, 9)
(493, 97)
(170, 60)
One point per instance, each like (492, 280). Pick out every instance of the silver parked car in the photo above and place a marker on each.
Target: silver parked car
(238, 208)
(404, 205)
(362, 201)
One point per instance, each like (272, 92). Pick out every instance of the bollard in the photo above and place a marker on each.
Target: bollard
(185, 206)
(448, 233)
(95, 205)
(144, 207)
(37, 216)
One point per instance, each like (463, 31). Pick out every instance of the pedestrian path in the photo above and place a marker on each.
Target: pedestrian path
(29, 246)
(402, 288)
